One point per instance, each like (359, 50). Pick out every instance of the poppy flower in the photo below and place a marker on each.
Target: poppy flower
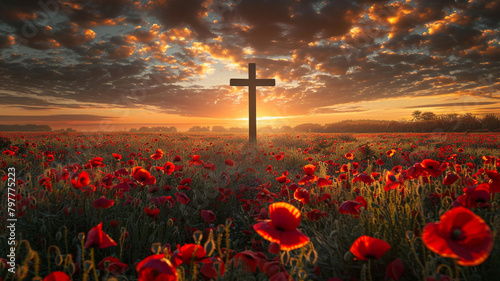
(116, 156)
(349, 156)
(208, 216)
(152, 213)
(208, 269)
(475, 196)
(432, 167)
(282, 227)
(158, 201)
(366, 247)
(229, 162)
(309, 170)
(380, 162)
(302, 195)
(182, 198)
(366, 179)
(460, 235)
(315, 215)
(450, 178)
(195, 160)
(177, 158)
(494, 181)
(156, 268)
(390, 152)
(114, 267)
(189, 253)
(158, 155)
(98, 238)
(143, 176)
(350, 208)
(80, 180)
(57, 276)
(97, 162)
(323, 182)
(395, 269)
(392, 181)
(103, 202)
(249, 260)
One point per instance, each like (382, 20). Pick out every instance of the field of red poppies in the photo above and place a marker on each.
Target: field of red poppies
(146, 206)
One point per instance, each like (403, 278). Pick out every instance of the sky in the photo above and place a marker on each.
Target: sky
(117, 64)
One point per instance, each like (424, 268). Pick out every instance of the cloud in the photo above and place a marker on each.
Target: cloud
(452, 104)
(325, 54)
(53, 118)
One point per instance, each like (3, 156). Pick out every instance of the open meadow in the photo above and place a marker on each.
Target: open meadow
(156, 206)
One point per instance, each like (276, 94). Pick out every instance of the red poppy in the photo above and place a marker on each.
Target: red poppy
(98, 238)
(315, 215)
(390, 152)
(114, 266)
(103, 202)
(143, 176)
(57, 276)
(475, 196)
(279, 157)
(349, 156)
(189, 253)
(350, 208)
(395, 269)
(97, 162)
(116, 156)
(323, 182)
(182, 198)
(380, 162)
(177, 158)
(461, 235)
(208, 216)
(282, 227)
(114, 223)
(195, 160)
(309, 170)
(392, 181)
(302, 195)
(450, 178)
(366, 179)
(229, 162)
(156, 268)
(249, 260)
(158, 155)
(152, 213)
(366, 247)
(494, 181)
(432, 167)
(208, 269)
(80, 180)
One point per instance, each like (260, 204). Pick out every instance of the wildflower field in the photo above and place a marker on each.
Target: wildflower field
(151, 206)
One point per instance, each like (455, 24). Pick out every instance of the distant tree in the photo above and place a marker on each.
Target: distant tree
(309, 127)
(286, 129)
(219, 129)
(491, 122)
(468, 122)
(199, 129)
(237, 130)
(416, 115)
(428, 116)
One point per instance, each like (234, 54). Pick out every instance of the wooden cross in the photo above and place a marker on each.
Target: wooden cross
(252, 84)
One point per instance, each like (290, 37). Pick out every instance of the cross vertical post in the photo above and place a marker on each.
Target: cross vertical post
(252, 82)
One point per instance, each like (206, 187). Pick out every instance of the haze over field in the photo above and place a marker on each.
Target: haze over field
(116, 64)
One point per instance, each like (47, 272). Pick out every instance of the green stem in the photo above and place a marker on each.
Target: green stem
(93, 264)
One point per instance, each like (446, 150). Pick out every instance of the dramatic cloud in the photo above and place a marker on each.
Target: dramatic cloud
(175, 57)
